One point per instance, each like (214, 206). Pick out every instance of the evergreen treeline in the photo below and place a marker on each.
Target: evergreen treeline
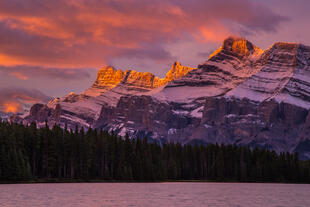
(28, 154)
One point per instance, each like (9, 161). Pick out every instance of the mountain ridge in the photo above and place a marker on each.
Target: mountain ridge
(240, 95)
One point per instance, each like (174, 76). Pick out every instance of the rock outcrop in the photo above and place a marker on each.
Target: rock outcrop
(108, 78)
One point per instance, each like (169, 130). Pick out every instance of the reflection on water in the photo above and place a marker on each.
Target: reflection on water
(154, 194)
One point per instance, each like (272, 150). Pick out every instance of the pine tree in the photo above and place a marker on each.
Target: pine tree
(28, 153)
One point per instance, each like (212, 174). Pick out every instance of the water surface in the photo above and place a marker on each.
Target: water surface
(155, 194)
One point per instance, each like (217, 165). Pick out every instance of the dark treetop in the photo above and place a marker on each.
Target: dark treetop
(31, 154)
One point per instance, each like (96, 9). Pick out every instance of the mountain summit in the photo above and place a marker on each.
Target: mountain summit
(241, 95)
(108, 78)
(239, 47)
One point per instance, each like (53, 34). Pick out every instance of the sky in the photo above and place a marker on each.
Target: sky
(50, 48)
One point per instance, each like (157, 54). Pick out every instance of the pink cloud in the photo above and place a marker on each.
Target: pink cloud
(25, 72)
(83, 33)
(18, 75)
(13, 99)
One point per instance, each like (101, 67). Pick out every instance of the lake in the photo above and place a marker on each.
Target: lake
(154, 194)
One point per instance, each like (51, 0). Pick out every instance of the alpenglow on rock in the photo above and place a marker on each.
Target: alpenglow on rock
(240, 95)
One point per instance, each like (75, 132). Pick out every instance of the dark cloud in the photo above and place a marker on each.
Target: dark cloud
(206, 55)
(25, 72)
(248, 13)
(91, 32)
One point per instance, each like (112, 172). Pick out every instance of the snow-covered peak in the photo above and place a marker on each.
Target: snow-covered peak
(227, 67)
(297, 54)
(283, 75)
(286, 54)
(108, 76)
(53, 102)
(241, 95)
(303, 56)
(141, 79)
(177, 71)
(285, 45)
(110, 85)
(238, 47)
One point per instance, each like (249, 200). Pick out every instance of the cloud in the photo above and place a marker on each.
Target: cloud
(18, 75)
(15, 100)
(206, 55)
(89, 33)
(24, 72)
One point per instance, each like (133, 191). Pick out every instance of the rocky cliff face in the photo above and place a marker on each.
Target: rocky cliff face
(284, 75)
(240, 95)
(109, 78)
(269, 124)
(226, 68)
(110, 85)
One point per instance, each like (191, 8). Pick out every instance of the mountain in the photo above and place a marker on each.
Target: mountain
(110, 85)
(5, 116)
(241, 95)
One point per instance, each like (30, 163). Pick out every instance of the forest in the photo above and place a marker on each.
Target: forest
(31, 154)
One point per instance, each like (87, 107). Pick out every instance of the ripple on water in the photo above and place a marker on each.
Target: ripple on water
(154, 194)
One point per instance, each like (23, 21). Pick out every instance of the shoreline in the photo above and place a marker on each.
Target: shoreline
(135, 181)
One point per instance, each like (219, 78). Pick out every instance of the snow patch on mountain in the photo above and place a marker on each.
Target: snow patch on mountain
(283, 76)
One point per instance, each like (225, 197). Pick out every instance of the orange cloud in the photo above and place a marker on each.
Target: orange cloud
(14, 100)
(12, 107)
(18, 75)
(43, 27)
(88, 33)
(25, 72)
(7, 60)
(214, 32)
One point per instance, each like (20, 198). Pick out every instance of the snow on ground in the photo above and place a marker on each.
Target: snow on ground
(172, 131)
(280, 85)
(75, 119)
(186, 94)
(197, 112)
(286, 98)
